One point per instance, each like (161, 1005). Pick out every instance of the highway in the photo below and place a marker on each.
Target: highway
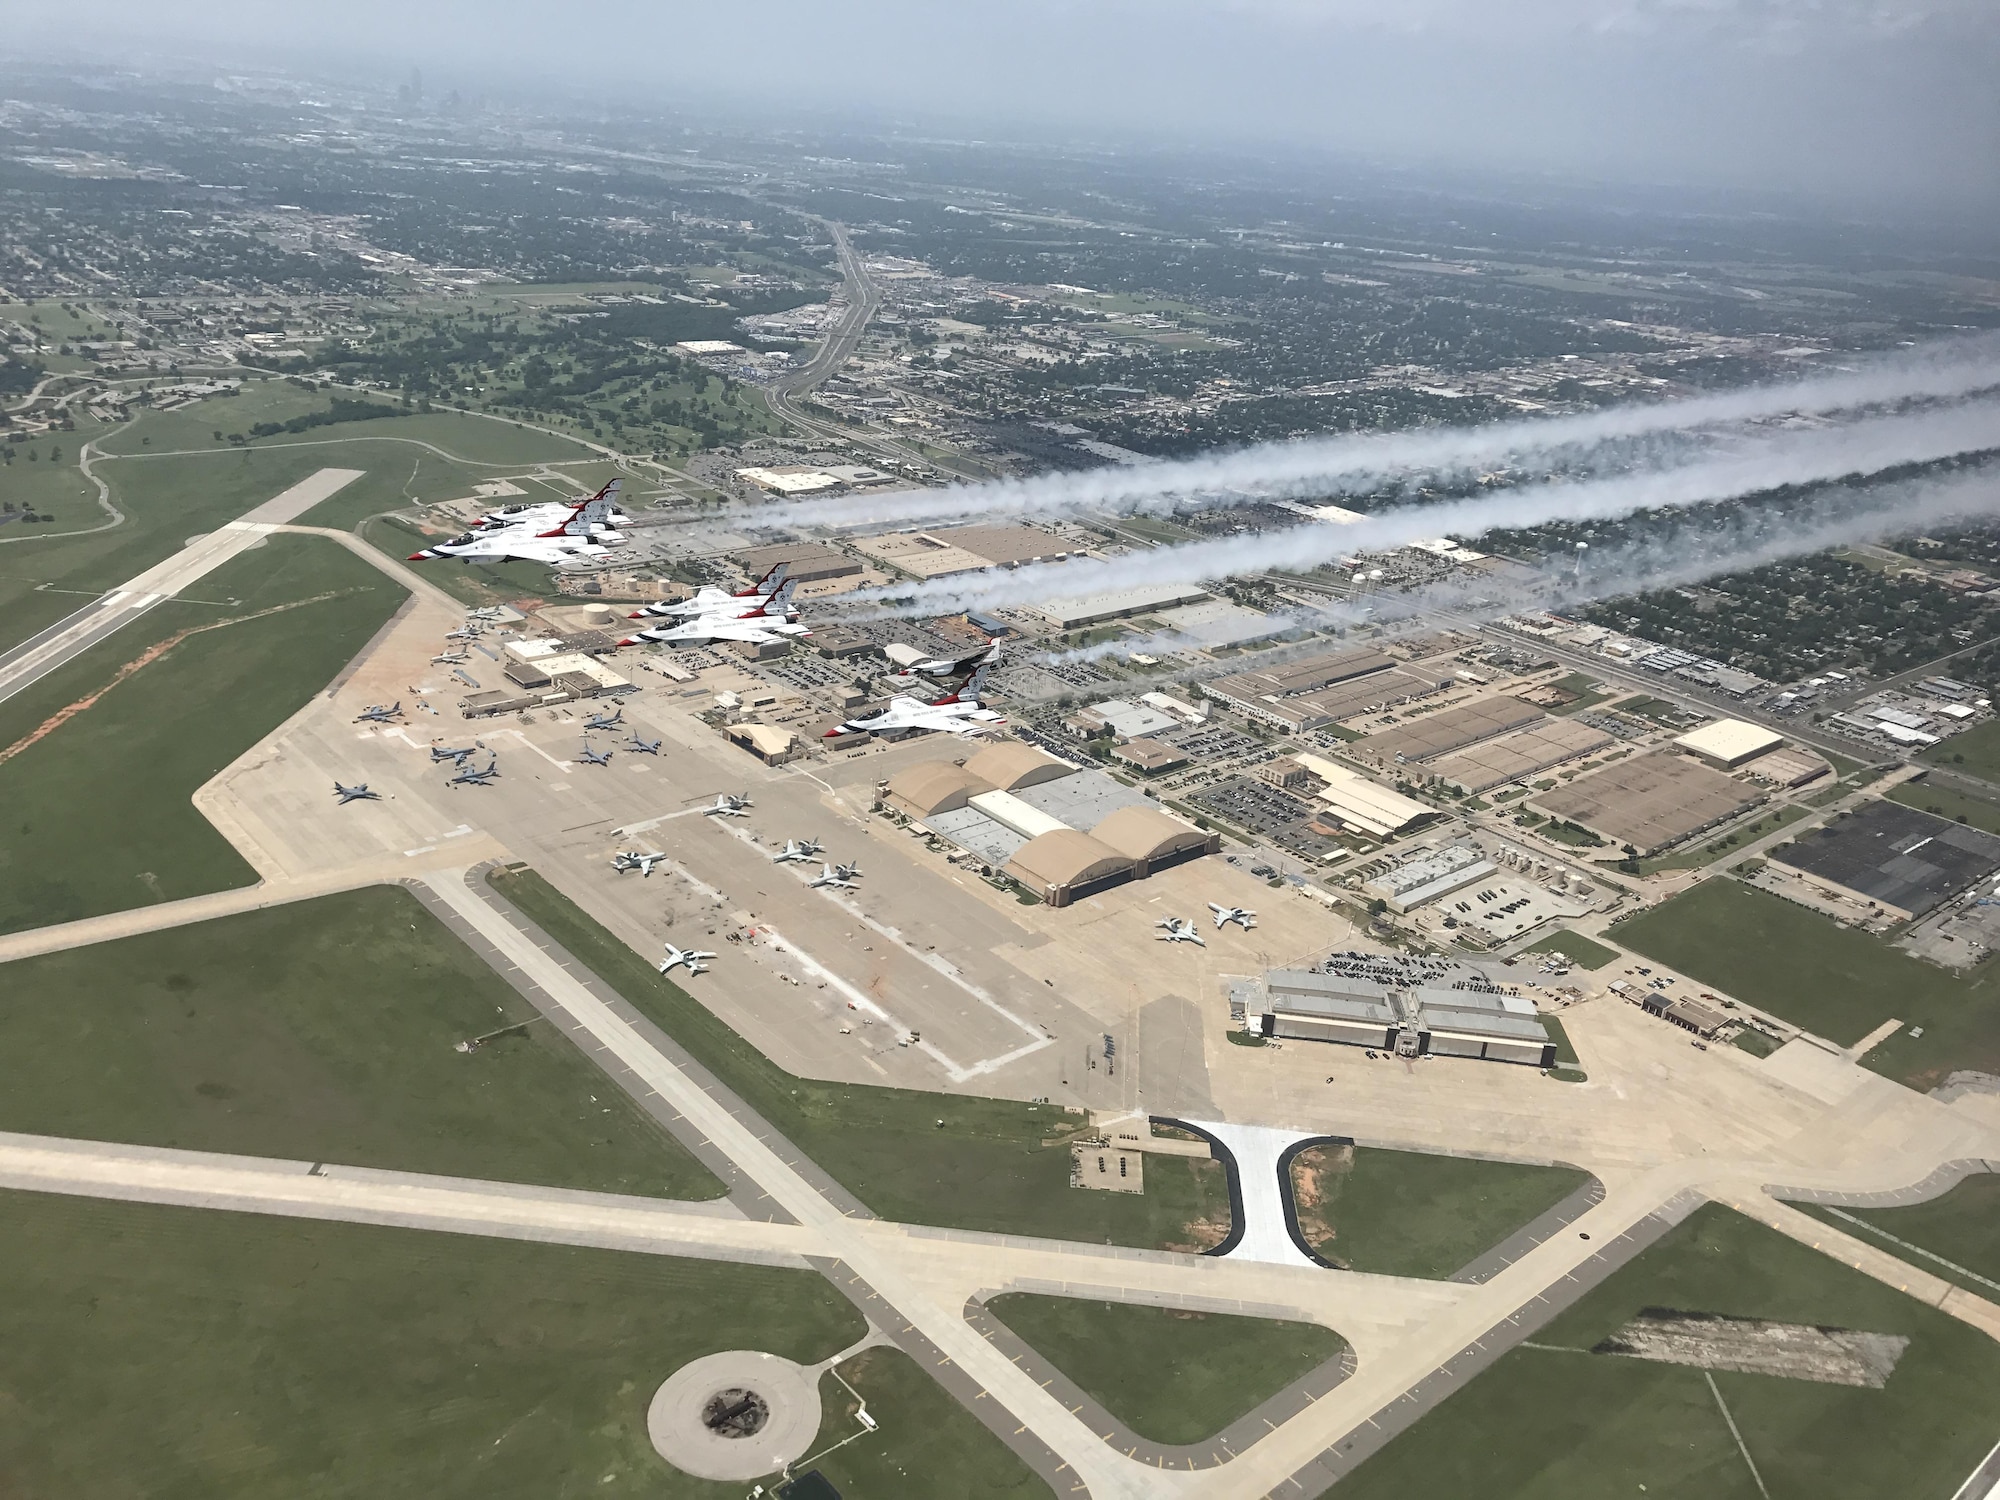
(68, 638)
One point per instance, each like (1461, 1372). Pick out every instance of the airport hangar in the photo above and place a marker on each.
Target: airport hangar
(1061, 832)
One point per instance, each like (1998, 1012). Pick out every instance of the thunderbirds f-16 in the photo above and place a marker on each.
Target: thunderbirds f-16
(798, 851)
(380, 713)
(691, 958)
(360, 793)
(466, 777)
(945, 667)
(727, 806)
(442, 752)
(1180, 930)
(594, 757)
(549, 512)
(643, 746)
(718, 602)
(635, 860)
(580, 535)
(766, 620)
(838, 877)
(1242, 916)
(605, 721)
(955, 713)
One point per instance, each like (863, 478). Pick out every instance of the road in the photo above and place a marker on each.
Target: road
(41, 654)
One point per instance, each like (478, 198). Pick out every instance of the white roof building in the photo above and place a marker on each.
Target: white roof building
(1729, 742)
(1360, 803)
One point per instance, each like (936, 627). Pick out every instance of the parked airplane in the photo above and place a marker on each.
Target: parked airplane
(690, 957)
(451, 658)
(606, 721)
(798, 851)
(765, 621)
(955, 713)
(577, 538)
(714, 601)
(1242, 916)
(476, 778)
(380, 713)
(360, 793)
(727, 806)
(641, 862)
(839, 877)
(1180, 930)
(442, 752)
(550, 512)
(958, 666)
(595, 757)
(490, 613)
(643, 745)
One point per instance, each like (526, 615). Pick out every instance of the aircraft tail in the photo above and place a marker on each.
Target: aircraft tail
(586, 514)
(773, 579)
(776, 606)
(968, 690)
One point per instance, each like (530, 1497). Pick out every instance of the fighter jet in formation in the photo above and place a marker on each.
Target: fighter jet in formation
(946, 667)
(798, 851)
(1242, 916)
(581, 534)
(765, 621)
(635, 860)
(957, 712)
(1180, 930)
(469, 777)
(836, 877)
(727, 806)
(642, 746)
(548, 513)
(605, 721)
(689, 958)
(592, 757)
(380, 713)
(360, 793)
(714, 601)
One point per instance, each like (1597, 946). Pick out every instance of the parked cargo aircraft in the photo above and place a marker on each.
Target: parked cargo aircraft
(727, 806)
(476, 778)
(1180, 930)
(798, 851)
(644, 746)
(838, 877)
(442, 752)
(594, 757)
(690, 958)
(606, 721)
(635, 860)
(380, 713)
(1241, 916)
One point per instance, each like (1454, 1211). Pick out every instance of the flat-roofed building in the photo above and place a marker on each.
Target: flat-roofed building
(770, 744)
(1650, 801)
(1792, 765)
(1472, 1023)
(1426, 738)
(1358, 803)
(1119, 604)
(1010, 811)
(1417, 1019)
(1516, 757)
(807, 562)
(1414, 882)
(1148, 756)
(1327, 1008)
(1729, 742)
(1005, 546)
(1689, 1015)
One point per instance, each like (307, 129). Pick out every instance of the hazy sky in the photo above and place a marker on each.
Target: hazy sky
(1872, 101)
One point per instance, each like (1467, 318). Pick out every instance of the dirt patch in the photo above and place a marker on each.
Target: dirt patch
(1318, 1174)
(1790, 1351)
(1201, 1236)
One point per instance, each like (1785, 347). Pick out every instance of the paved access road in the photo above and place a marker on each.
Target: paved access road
(41, 654)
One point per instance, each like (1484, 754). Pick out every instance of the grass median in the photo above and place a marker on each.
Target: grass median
(1961, 1228)
(993, 1164)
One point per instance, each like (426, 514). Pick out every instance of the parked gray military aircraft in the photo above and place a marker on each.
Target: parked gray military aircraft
(1242, 916)
(594, 757)
(838, 877)
(360, 793)
(690, 957)
(380, 713)
(606, 721)
(476, 778)
(635, 860)
(444, 752)
(643, 746)
(798, 851)
(727, 806)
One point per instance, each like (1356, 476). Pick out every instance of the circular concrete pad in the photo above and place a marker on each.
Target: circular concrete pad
(789, 1396)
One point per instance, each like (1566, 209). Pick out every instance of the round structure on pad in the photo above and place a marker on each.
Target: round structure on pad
(737, 1415)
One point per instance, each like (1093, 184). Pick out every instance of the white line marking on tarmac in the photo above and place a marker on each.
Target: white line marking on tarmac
(561, 765)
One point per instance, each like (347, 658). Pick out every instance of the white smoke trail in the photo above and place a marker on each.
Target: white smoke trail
(1884, 512)
(1766, 463)
(1359, 463)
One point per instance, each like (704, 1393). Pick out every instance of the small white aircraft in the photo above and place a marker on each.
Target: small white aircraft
(634, 860)
(581, 536)
(727, 806)
(798, 851)
(690, 958)
(837, 877)
(766, 620)
(1242, 916)
(957, 712)
(1180, 930)
(714, 601)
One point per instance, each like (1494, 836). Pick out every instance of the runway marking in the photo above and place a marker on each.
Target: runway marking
(561, 765)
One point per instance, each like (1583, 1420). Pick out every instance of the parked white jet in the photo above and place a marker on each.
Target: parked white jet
(1180, 930)
(727, 806)
(798, 851)
(765, 620)
(1242, 916)
(714, 601)
(838, 877)
(690, 958)
(633, 860)
(955, 713)
(579, 537)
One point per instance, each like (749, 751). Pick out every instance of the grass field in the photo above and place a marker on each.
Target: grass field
(320, 1031)
(98, 817)
(1578, 949)
(1946, 802)
(188, 1354)
(926, 1446)
(1833, 981)
(1409, 1213)
(1555, 1423)
(1963, 1227)
(995, 1165)
(1976, 751)
(1168, 1374)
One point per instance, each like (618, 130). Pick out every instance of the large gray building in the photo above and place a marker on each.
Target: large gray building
(1407, 1020)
